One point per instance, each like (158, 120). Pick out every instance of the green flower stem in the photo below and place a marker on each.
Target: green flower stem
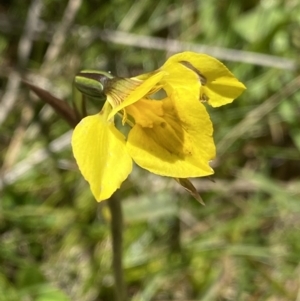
(115, 208)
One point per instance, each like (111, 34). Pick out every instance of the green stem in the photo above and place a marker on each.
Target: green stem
(115, 208)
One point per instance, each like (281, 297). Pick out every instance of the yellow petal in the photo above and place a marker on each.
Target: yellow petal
(180, 145)
(222, 91)
(117, 89)
(219, 86)
(101, 155)
(138, 93)
(180, 77)
(146, 112)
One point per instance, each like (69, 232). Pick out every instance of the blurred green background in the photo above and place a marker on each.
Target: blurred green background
(54, 238)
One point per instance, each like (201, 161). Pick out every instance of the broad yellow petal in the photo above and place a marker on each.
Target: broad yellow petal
(147, 112)
(179, 144)
(219, 86)
(180, 77)
(101, 155)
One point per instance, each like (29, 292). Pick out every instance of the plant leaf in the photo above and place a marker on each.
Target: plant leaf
(61, 107)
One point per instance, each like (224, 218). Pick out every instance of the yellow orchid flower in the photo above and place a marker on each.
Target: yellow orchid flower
(170, 135)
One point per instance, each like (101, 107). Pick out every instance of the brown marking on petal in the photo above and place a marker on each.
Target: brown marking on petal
(163, 124)
(204, 98)
(202, 78)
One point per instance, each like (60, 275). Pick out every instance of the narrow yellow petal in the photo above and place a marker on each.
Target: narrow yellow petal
(118, 88)
(180, 145)
(138, 93)
(101, 155)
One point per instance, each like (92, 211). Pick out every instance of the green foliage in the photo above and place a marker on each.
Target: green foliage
(54, 238)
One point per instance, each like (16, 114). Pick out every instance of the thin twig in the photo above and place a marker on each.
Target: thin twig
(170, 45)
(116, 213)
(148, 42)
(25, 43)
(24, 47)
(60, 33)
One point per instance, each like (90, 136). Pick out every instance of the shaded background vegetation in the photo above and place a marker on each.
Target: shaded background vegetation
(54, 238)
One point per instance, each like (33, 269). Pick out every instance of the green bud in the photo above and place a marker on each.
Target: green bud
(93, 83)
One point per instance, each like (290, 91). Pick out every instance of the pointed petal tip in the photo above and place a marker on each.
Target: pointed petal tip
(188, 186)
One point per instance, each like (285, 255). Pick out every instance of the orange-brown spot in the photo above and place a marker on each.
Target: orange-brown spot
(163, 124)
(204, 98)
